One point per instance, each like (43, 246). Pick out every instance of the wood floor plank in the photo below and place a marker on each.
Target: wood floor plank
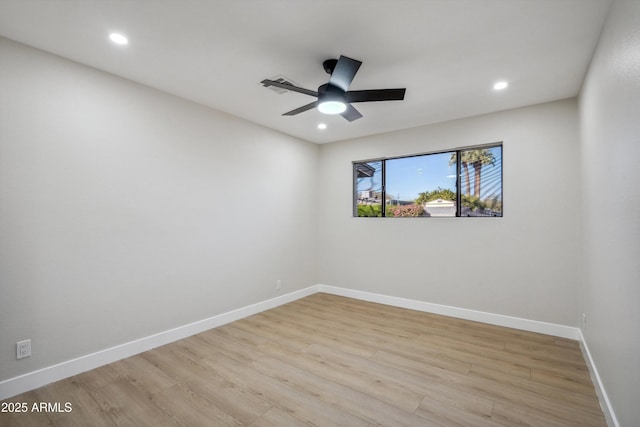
(143, 374)
(250, 325)
(276, 417)
(510, 415)
(302, 405)
(466, 402)
(327, 332)
(188, 408)
(84, 410)
(346, 398)
(547, 353)
(563, 382)
(236, 401)
(240, 349)
(448, 415)
(329, 360)
(583, 400)
(126, 405)
(533, 400)
(361, 375)
(99, 377)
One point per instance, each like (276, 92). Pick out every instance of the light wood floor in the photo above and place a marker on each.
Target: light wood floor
(327, 360)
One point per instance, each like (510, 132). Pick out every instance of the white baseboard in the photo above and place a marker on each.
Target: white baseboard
(32, 380)
(41, 377)
(461, 313)
(605, 403)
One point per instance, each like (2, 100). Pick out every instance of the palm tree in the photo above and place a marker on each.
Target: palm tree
(465, 167)
(477, 159)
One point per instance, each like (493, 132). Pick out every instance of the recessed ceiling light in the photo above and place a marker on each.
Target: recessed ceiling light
(322, 126)
(500, 85)
(118, 39)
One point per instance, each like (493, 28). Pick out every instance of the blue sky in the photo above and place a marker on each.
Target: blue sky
(410, 176)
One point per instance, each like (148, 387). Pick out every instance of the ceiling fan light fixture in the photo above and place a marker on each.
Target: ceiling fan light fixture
(332, 107)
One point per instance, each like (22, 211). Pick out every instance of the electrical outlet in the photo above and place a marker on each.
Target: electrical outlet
(23, 349)
(278, 284)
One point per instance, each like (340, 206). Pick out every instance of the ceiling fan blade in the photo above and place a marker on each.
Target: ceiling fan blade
(344, 72)
(267, 83)
(375, 95)
(351, 113)
(302, 109)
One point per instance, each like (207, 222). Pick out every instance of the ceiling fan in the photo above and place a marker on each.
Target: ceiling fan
(334, 96)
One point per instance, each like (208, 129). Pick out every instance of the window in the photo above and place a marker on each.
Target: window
(465, 182)
(368, 179)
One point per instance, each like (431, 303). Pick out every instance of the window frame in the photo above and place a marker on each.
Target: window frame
(458, 152)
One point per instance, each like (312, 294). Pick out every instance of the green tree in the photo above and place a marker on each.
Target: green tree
(473, 202)
(438, 193)
(369, 210)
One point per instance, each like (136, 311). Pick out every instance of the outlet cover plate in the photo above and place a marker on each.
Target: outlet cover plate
(23, 349)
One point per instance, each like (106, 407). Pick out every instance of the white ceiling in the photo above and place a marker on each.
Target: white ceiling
(447, 53)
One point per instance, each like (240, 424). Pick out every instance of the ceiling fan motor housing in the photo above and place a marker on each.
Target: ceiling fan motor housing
(329, 92)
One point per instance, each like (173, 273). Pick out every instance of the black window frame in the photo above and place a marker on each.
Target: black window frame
(459, 207)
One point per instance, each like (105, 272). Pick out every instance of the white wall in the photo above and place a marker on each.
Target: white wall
(125, 211)
(610, 147)
(525, 264)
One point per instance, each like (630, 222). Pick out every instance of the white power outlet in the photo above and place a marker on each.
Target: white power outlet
(278, 284)
(23, 349)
